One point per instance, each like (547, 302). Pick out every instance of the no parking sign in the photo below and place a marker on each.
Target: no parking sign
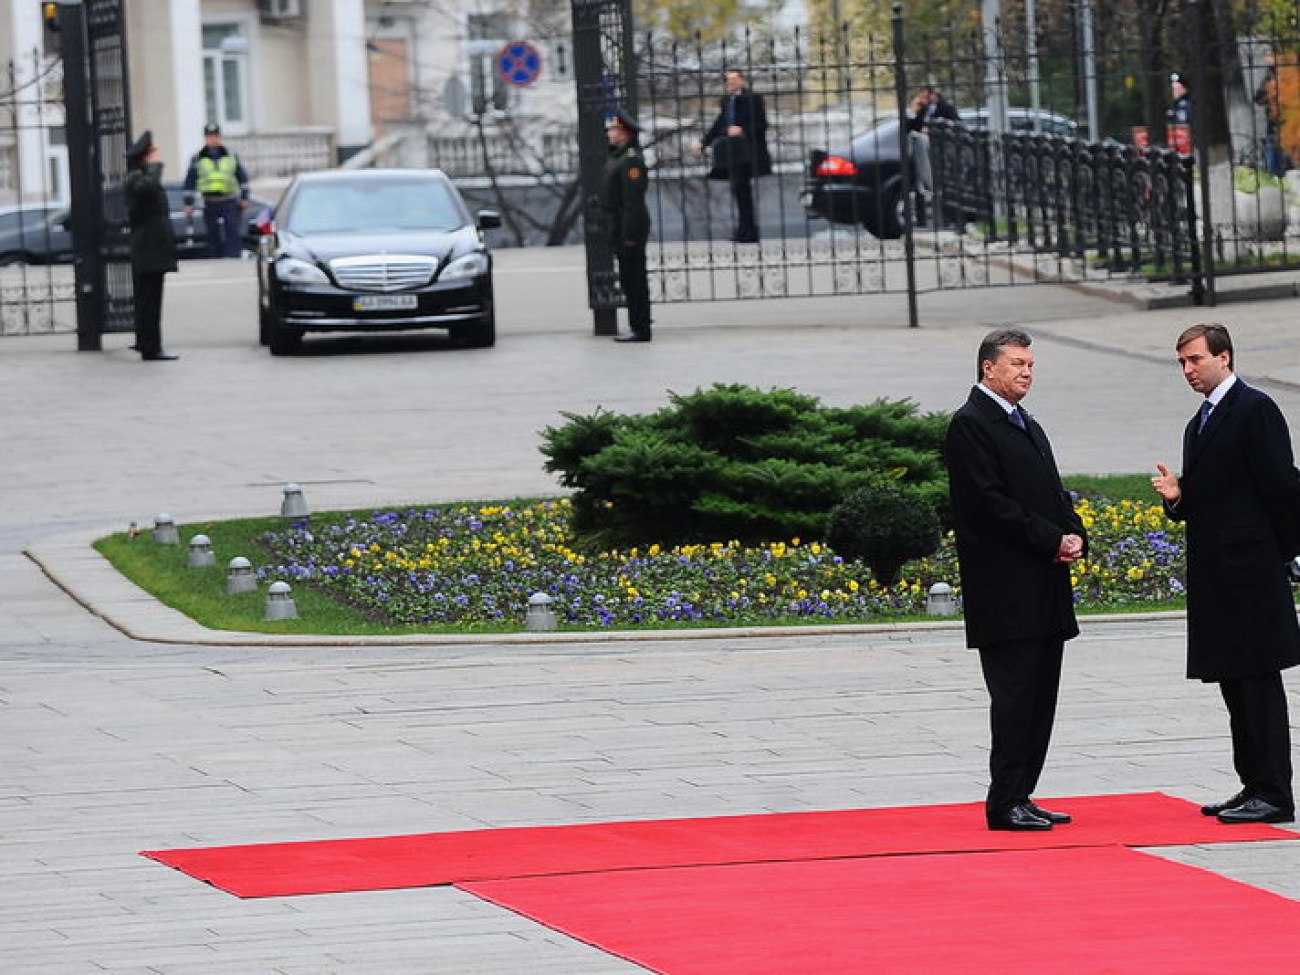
(519, 63)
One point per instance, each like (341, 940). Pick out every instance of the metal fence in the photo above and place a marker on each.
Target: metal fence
(1063, 166)
(35, 297)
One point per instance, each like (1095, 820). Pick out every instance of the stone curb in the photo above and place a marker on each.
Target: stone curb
(69, 561)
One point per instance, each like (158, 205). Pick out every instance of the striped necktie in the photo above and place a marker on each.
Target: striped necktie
(1206, 409)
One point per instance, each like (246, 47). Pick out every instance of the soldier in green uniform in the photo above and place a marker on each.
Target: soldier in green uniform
(153, 245)
(628, 220)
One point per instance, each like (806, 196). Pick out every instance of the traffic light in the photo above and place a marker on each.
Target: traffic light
(53, 34)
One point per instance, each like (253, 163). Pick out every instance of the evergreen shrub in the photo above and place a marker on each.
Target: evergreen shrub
(884, 524)
(736, 462)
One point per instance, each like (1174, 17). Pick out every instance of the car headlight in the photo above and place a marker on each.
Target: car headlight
(469, 266)
(296, 273)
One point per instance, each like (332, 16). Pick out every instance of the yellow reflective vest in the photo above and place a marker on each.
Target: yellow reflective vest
(216, 177)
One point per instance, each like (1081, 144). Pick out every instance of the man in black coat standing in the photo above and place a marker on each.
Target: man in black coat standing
(628, 220)
(153, 244)
(738, 138)
(1239, 495)
(1017, 532)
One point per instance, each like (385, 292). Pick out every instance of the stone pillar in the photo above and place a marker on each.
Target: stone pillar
(165, 47)
(23, 25)
(339, 82)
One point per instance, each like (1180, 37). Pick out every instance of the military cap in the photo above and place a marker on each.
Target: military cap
(141, 146)
(623, 119)
(212, 128)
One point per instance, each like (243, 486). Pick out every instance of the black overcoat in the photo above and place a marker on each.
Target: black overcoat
(1241, 502)
(751, 115)
(153, 244)
(1009, 513)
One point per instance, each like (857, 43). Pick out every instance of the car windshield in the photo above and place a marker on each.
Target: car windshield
(373, 206)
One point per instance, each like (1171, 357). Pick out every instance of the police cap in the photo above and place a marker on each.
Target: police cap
(212, 128)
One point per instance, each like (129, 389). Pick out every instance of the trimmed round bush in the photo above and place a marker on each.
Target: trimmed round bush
(884, 525)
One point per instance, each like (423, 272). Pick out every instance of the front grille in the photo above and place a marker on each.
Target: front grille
(383, 272)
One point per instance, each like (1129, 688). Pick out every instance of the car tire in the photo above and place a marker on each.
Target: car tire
(481, 335)
(281, 339)
(886, 221)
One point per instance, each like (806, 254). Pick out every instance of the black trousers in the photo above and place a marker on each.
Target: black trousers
(222, 220)
(1023, 678)
(1261, 736)
(636, 287)
(148, 287)
(741, 179)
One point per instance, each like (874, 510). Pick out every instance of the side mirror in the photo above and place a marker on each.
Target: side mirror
(488, 220)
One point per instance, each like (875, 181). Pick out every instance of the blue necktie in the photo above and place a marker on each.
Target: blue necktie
(1018, 418)
(1206, 409)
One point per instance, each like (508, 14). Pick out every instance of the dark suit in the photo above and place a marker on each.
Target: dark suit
(1009, 513)
(738, 159)
(1240, 498)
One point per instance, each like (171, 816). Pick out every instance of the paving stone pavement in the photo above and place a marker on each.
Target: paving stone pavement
(111, 745)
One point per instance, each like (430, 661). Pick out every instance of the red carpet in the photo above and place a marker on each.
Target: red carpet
(422, 860)
(1067, 910)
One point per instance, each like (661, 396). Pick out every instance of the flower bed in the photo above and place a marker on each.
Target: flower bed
(476, 566)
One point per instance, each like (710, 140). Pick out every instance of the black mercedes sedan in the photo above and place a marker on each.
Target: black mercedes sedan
(374, 250)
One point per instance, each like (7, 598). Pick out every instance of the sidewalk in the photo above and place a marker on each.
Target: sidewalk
(112, 745)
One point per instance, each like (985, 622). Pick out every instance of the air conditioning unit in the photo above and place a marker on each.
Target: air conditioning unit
(280, 9)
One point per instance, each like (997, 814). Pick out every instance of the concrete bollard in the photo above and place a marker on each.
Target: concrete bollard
(939, 601)
(540, 616)
(279, 602)
(164, 530)
(239, 576)
(201, 554)
(294, 504)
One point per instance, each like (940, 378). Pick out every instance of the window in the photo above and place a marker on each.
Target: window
(225, 75)
(488, 34)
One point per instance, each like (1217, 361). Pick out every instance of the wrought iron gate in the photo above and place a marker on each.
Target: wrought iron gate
(1021, 189)
(34, 299)
(103, 261)
(67, 266)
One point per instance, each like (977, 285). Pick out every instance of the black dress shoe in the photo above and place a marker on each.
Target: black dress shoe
(1055, 818)
(1019, 819)
(1257, 811)
(745, 239)
(159, 356)
(1214, 808)
(634, 337)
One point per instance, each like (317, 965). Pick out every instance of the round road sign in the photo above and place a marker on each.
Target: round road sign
(519, 63)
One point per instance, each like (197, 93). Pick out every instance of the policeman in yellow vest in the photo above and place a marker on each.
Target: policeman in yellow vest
(218, 176)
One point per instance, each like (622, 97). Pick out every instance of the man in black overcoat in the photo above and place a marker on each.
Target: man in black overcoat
(738, 139)
(1239, 495)
(153, 243)
(1017, 532)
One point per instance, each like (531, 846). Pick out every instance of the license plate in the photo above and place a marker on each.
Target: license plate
(384, 302)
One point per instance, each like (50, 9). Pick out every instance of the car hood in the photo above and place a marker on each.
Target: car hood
(327, 247)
